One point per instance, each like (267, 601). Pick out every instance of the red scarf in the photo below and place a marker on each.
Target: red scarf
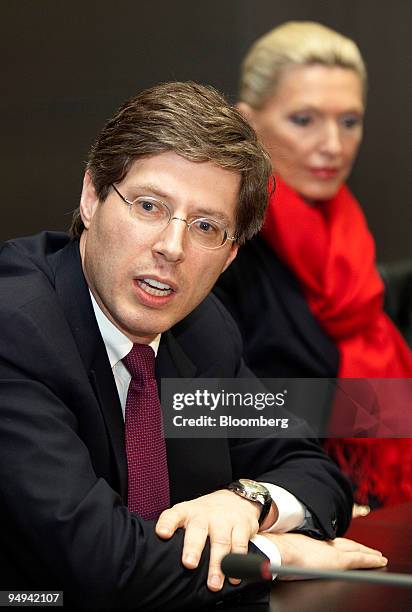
(330, 250)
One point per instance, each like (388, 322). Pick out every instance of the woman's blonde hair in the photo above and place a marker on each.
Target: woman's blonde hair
(294, 43)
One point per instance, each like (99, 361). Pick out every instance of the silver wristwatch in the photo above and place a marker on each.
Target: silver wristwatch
(254, 491)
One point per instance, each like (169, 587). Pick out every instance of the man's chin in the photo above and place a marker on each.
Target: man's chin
(145, 334)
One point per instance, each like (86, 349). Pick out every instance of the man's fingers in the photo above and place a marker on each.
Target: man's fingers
(240, 545)
(228, 520)
(350, 545)
(220, 545)
(354, 555)
(194, 542)
(168, 522)
(362, 560)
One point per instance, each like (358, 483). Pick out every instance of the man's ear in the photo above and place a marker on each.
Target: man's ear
(88, 200)
(248, 112)
(232, 254)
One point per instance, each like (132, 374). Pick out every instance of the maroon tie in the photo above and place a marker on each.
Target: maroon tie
(148, 490)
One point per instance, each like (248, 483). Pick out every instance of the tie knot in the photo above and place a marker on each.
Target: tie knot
(141, 362)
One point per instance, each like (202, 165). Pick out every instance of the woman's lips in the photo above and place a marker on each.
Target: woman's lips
(324, 173)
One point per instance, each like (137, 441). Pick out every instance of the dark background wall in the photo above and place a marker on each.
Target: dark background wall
(68, 65)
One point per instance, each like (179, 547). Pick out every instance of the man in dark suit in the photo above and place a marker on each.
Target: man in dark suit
(174, 183)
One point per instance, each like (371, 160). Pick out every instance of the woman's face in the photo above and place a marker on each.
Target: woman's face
(312, 127)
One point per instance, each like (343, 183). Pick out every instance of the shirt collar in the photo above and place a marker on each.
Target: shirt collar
(118, 345)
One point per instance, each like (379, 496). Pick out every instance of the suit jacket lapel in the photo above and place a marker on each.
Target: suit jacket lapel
(193, 469)
(72, 288)
(172, 361)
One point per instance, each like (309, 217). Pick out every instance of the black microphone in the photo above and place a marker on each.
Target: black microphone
(253, 566)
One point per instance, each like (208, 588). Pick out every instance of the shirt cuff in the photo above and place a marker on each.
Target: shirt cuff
(291, 510)
(269, 549)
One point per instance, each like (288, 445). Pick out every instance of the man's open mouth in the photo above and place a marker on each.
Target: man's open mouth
(154, 287)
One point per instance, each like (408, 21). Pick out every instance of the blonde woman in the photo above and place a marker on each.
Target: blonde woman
(306, 292)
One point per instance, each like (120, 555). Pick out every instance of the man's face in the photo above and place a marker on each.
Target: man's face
(123, 259)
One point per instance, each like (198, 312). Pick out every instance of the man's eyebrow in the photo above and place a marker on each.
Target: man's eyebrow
(151, 189)
(214, 214)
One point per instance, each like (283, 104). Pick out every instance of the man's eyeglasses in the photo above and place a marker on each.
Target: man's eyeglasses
(203, 232)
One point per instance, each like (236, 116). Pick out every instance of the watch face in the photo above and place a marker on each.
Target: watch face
(253, 486)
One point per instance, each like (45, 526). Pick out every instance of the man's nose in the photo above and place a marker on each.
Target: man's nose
(171, 240)
(331, 143)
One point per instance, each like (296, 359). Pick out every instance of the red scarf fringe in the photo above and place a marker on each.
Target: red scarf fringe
(330, 250)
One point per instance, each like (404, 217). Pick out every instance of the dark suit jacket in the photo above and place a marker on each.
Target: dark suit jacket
(280, 334)
(64, 522)
(281, 337)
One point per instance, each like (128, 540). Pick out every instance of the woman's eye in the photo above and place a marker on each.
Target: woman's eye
(351, 121)
(301, 120)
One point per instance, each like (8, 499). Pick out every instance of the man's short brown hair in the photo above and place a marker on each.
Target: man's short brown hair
(194, 121)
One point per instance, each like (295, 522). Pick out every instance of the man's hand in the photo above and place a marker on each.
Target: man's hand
(229, 520)
(343, 554)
